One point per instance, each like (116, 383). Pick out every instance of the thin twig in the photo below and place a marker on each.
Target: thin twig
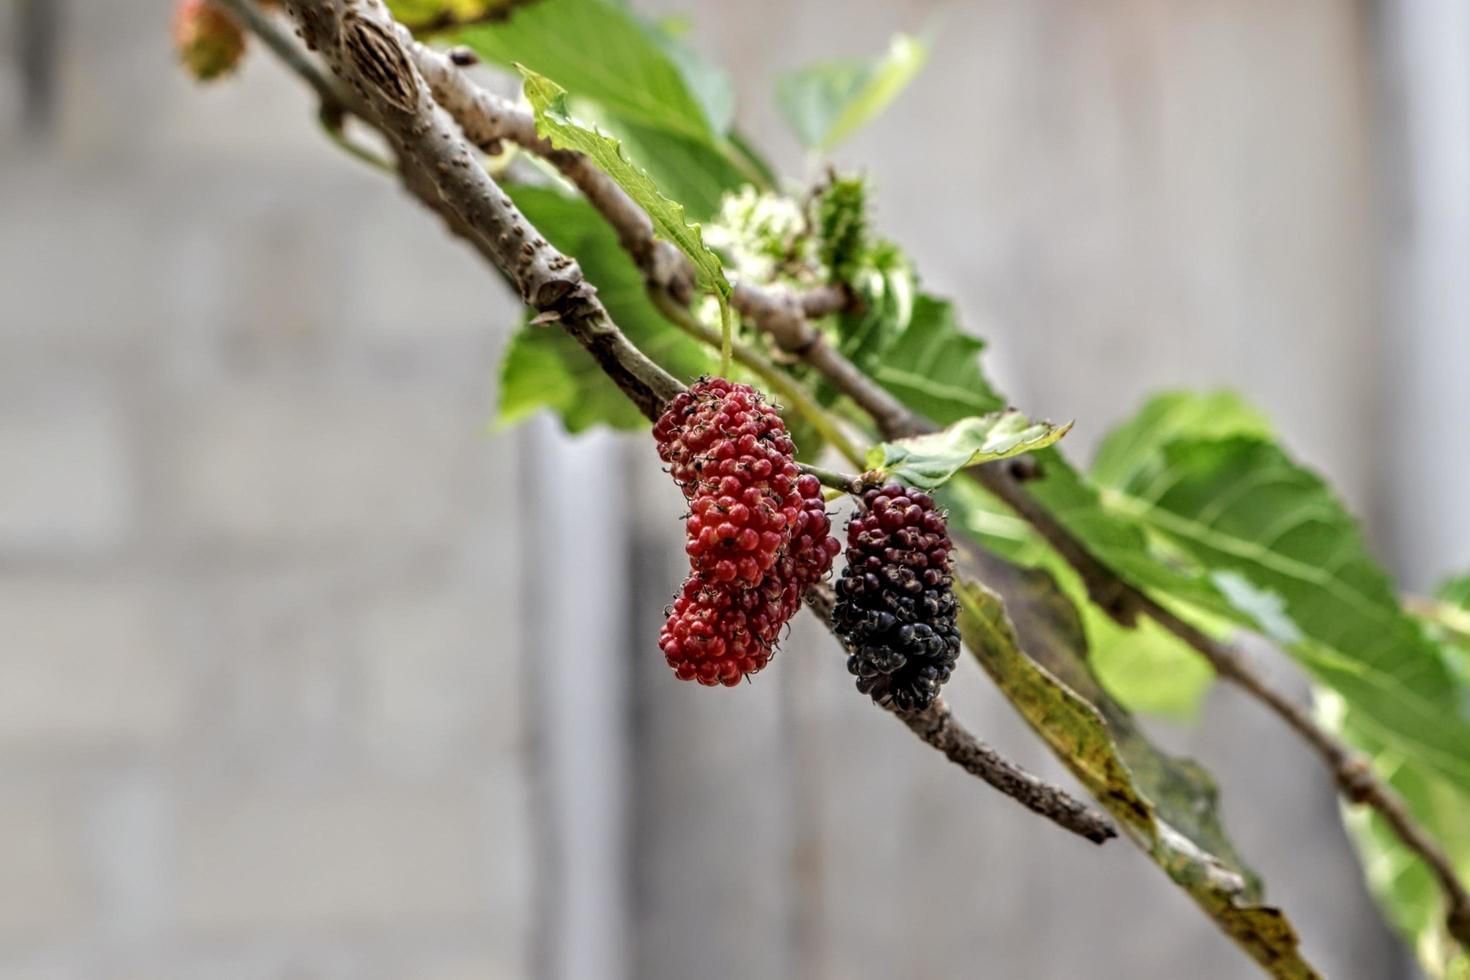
(284, 46)
(361, 45)
(937, 727)
(848, 483)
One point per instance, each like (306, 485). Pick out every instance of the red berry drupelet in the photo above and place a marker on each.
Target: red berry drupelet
(896, 610)
(757, 533)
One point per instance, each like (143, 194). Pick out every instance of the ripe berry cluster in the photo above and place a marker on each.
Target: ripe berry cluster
(757, 533)
(896, 607)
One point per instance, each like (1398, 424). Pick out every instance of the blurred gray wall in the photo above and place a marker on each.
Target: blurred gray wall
(303, 674)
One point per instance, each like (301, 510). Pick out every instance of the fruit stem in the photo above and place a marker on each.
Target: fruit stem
(792, 393)
(331, 121)
(843, 482)
(725, 335)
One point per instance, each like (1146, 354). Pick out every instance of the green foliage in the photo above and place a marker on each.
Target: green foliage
(433, 14)
(544, 368)
(932, 366)
(1166, 417)
(826, 103)
(1081, 738)
(553, 122)
(1196, 505)
(1402, 884)
(689, 171)
(928, 461)
(1449, 618)
(1147, 668)
(1293, 563)
(1455, 592)
(601, 51)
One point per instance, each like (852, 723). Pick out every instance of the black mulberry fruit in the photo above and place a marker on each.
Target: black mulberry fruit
(896, 610)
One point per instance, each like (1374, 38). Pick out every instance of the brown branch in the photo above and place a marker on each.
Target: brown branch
(362, 45)
(785, 317)
(780, 316)
(1354, 773)
(487, 120)
(937, 727)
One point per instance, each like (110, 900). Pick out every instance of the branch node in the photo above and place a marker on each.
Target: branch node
(463, 56)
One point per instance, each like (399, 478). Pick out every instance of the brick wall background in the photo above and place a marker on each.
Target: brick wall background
(292, 686)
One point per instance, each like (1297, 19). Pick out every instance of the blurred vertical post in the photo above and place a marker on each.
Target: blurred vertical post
(576, 554)
(1427, 50)
(38, 29)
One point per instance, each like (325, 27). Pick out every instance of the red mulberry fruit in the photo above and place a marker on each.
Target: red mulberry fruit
(896, 610)
(757, 533)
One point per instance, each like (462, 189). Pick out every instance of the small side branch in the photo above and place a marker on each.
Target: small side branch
(938, 728)
(783, 316)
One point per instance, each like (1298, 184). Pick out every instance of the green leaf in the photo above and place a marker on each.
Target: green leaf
(1455, 592)
(1403, 885)
(419, 15)
(1081, 737)
(1120, 540)
(1240, 506)
(933, 367)
(603, 51)
(1448, 615)
(1147, 668)
(928, 461)
(544, 368)
(710, 85)
(826, 103)
(1168, 416)
(553, 122)
(688, 171)
(1225, 523)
